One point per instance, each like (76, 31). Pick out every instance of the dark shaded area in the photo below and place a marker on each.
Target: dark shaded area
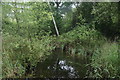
(61, 65)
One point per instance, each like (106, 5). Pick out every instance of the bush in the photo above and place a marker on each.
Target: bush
(105, 61)
(21, 54)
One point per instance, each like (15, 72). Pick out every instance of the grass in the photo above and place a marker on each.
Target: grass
(105, 61)
(21, 54)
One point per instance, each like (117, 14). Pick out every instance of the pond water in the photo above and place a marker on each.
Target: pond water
(62, 65)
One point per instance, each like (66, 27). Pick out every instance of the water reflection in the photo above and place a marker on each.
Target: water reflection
(60, 65)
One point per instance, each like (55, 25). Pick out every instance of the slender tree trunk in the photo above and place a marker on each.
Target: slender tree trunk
(54, 21)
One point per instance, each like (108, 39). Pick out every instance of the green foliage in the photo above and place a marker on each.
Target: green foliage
(42, 15)
(18, 53)
(28, 35)
(105, 61)
(106, 18)
(103, 15)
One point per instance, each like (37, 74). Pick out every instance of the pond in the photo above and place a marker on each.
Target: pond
(62, 65)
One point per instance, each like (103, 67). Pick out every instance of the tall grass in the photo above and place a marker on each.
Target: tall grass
(105, 61)
(102, 53)
(21, 55)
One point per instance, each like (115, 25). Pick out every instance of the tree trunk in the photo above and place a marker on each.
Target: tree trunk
(54, 21)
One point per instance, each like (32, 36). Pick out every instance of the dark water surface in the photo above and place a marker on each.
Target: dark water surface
(62, 65)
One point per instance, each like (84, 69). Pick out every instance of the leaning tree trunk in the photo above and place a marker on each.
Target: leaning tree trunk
(54, 21)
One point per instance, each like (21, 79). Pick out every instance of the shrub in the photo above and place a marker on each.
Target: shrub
(20, 54)
(105, 61)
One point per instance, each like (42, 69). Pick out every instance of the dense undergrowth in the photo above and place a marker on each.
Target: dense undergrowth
(102, 53)
(29, 36)
(21, 55)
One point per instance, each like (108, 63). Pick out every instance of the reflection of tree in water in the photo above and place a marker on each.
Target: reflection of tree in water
(63, 66)
(60, 65)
